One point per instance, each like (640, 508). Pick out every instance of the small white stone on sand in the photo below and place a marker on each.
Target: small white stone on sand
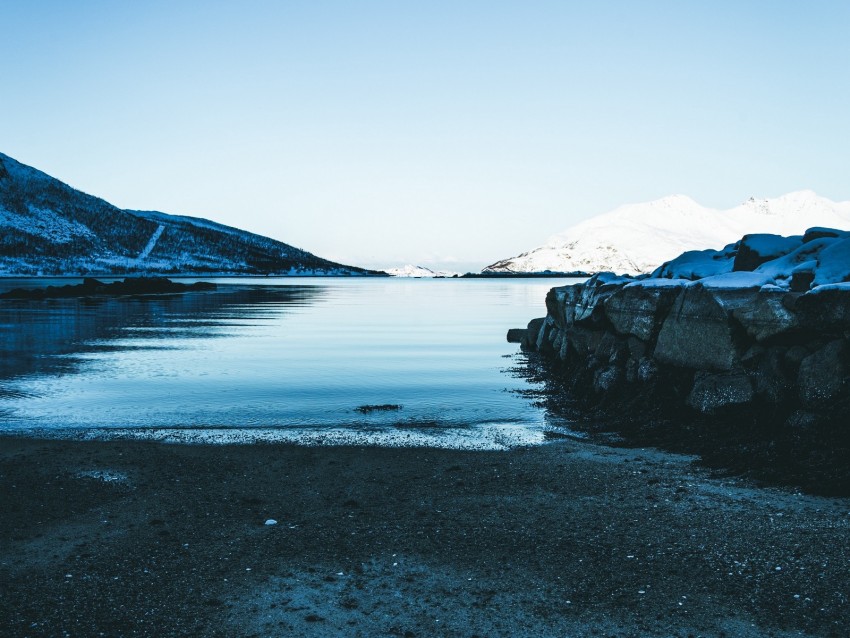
(271, 521)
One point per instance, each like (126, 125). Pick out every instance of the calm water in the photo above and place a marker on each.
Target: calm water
(288, 359)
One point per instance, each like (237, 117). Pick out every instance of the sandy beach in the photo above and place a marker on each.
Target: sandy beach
(567, 539)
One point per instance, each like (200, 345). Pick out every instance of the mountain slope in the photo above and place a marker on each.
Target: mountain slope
(50, 228)
(638, 238)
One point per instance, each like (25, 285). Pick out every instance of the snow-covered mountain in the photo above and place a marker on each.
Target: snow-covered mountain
(47, 227)
(638, 238)
(418, 271)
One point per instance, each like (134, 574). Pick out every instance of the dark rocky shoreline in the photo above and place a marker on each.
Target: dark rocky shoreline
(92, 287)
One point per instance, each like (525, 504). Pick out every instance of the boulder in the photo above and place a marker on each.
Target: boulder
(794, 356)
(639, 309)
(818, 233)
(804, 257)
(768, 315)
(834, 263)
(529, 341)
(822, 374)
(712, 392)
(565, 346)
(770, 380)
(561, 303)
(698, 333)
(589, 307)
(802, 277)
(696, 264)
(825, 309)
(583, 341)
(545, 335)
(756, 249)
(611, 348)
(517, 335)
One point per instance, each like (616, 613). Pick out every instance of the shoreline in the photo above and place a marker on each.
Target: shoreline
(569, 538)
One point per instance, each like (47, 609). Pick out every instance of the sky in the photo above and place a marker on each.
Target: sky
(446, 134)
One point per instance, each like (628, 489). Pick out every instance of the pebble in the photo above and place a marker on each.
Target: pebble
(271, 521)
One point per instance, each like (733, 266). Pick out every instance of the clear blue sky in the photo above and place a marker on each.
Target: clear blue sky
(432, 132)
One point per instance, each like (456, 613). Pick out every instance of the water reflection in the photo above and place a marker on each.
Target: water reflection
(52, 337)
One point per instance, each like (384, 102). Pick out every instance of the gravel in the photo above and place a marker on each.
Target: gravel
(572, 538)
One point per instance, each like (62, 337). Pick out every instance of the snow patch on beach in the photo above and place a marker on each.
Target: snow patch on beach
(482, 436)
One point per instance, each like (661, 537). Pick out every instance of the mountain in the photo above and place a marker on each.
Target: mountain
(50, 228)
(638, 238)
(418, 271)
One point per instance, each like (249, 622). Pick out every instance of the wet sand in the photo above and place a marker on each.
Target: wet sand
(130, 538)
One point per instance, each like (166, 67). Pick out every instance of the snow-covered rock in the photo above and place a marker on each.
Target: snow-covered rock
(754, 250)
(820, 257)
(637, 238)
(696, 264)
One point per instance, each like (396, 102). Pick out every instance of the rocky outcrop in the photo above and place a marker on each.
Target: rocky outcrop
(736, 348)
(744, 347)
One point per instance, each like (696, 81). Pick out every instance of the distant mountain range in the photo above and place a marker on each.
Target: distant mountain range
(49, 228)
(638, 238)
(418, 271)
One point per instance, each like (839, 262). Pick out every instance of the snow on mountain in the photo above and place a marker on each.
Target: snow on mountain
(418, 271)
(637, 238)
(47, 227)
(410, 271)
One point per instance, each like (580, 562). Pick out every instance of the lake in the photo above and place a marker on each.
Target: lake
(299, 359)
